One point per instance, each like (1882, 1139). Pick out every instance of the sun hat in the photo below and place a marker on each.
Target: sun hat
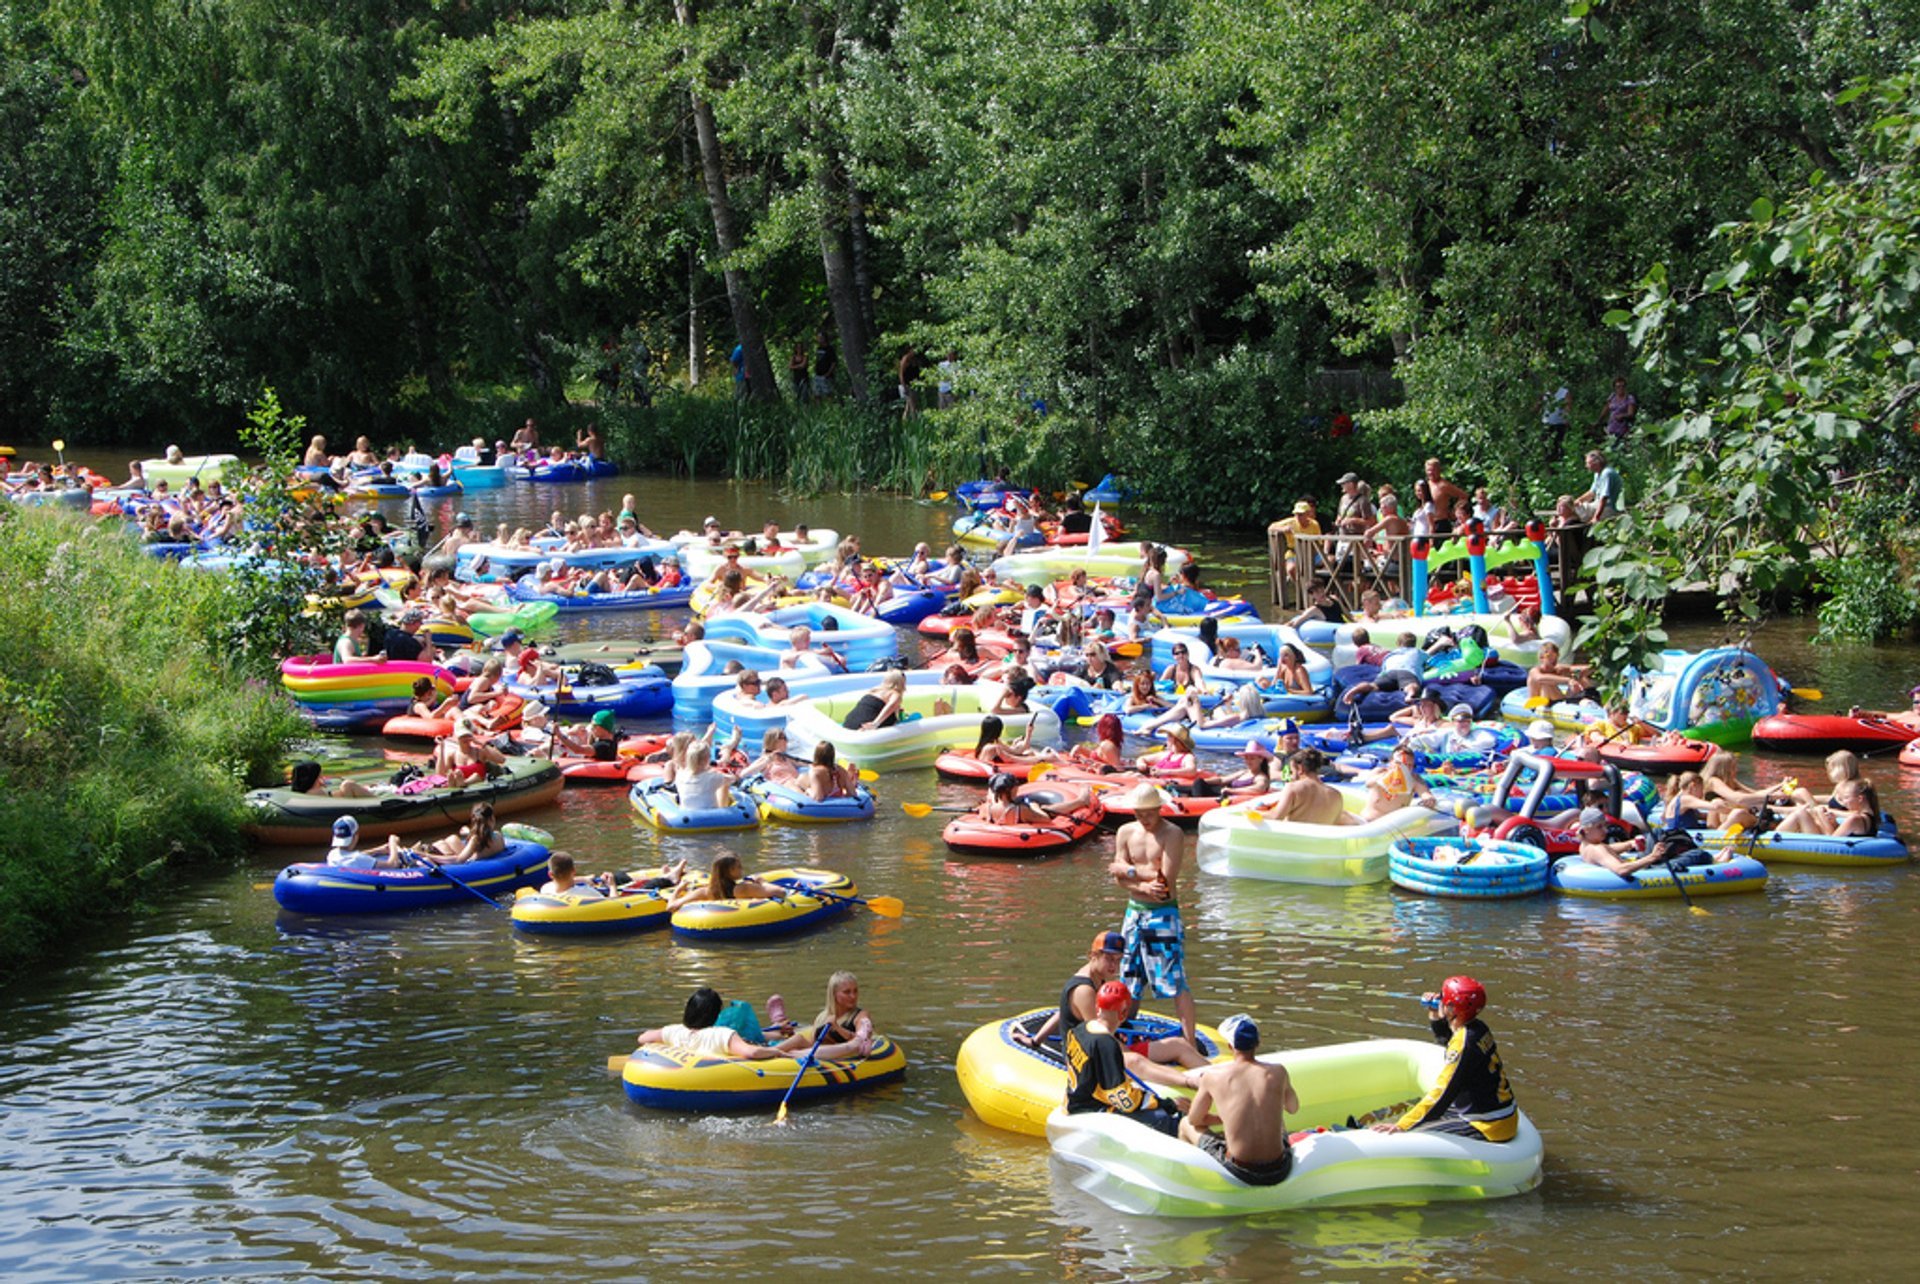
(1303, 507)
(1108, 943)
(345, 830)
(1255, 749)
(1146, 798)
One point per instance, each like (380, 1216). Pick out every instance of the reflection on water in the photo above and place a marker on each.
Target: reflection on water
(213, 1091)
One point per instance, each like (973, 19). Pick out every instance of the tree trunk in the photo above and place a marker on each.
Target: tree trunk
(841, 292)
(746, 317)
(696, 333)
(862, 260)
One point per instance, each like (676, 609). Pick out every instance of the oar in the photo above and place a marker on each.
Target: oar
(799, 1074)
(1674, 874)
(920, 811)
(1808, 693)
(936, 495)
(441, 870)
(884, 906)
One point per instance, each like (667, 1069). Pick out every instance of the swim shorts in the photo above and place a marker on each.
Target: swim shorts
(1154, 958)
(1268, 1174)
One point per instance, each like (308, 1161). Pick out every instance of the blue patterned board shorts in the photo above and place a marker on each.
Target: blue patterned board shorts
(1154, 958)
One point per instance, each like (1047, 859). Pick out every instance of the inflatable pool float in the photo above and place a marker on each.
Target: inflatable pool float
(675, 1079)
(1910, 754)
(906, 607)
(1820, 733)
(285, 818)
(316, 679)
(1269, 638)
(352, 715)
(1139, 1171)
(1467, 867)
(787, 803)
(756, 917)
(528, 617)
(652, 599)
(1384, 631)
(1113, 788)
(637, 694)
(972, 835)
(502, 560)
(1669, 755)
(962, 765)
(754, 717)
(703, 674)
(574, 914)
(332, 889)
(577, 770)
(659, 805)
(702, 561)
(1015, 1086)
(1109, 491)
(1235, 844)
(860, 639)
(478, 476)
(1045, 565)
(921, 736)
(1573, 876)
(207, 468)
(1716, 695)
(1883, 848)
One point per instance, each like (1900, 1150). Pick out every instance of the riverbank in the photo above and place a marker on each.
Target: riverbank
(128, 732)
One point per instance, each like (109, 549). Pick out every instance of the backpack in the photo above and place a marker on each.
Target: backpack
(592, 673)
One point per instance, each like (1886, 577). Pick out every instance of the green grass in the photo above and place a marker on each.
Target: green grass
(128, 731)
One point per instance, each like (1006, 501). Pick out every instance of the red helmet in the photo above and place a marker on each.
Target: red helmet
(1466, 996)
(1112, 996)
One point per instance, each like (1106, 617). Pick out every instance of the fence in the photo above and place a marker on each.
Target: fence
(1350, 565)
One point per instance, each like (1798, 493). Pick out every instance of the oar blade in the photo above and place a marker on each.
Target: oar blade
(616, 1063)
(887, 906)
(917, 810)
(1040, 770)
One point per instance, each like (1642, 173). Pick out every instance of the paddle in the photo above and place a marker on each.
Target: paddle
(441, 870)
(1808, 693)
(60, 449)
(1681, 887)
(799, 1074)
(936, 495)
(884, 906)
(920, 811)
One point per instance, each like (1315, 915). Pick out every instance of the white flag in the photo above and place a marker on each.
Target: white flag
(1096, 532)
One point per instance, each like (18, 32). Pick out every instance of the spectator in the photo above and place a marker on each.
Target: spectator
(1553, 419)
(1342, 425)
(1602, 500)
(1622, 407)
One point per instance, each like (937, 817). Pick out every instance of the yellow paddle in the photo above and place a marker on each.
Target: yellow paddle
(868, 776)
(919, 811)
(936, 495)
(1040, 769)
(1808, 693)
(1536, 702)
(616, 1063)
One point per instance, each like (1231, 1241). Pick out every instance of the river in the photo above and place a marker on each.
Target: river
(208, 1090)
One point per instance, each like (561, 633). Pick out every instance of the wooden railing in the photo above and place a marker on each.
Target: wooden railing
(1350, 566)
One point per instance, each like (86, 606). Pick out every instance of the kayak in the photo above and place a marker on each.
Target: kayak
(1821, 733)
(1139, 1171)
(751, 918)
(973, 835)
(1014, 1085)
(285, 818)
(667, 1078)
(318, 888)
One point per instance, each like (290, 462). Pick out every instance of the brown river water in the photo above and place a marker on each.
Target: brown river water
(208, 1090)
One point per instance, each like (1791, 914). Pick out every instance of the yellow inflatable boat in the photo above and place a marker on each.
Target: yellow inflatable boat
(676, 1079)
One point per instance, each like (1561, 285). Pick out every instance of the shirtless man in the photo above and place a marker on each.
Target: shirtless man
(1596, 850)
(1445, 493)
(526, 437)
(1249, 1101)
(1147, 855)
(1307, 799)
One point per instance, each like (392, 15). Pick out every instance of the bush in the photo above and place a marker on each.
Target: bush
(128, 733)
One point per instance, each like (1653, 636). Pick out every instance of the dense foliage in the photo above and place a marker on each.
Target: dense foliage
(128, 732)
(1162, 236)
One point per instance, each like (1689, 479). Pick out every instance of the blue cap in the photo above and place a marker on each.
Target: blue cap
(510, 637)
(345, 830)
(1241, 1033)
(1287, 727)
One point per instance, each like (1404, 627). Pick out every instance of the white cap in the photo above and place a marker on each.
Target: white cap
(345, 830)
(1460, 711)
(1540, 729)
(711, 521)
(1592, 816)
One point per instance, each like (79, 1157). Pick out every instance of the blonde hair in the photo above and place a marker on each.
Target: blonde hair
(1719, 767)
(1844, 761)
(834, 982)
(1250, 701)
(896, 680)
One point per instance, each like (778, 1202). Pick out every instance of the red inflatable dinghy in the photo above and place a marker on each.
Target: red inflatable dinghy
(1668, 755)
(975, 836)
(1824, 733)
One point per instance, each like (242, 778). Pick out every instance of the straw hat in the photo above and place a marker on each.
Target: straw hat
(1146, 798)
